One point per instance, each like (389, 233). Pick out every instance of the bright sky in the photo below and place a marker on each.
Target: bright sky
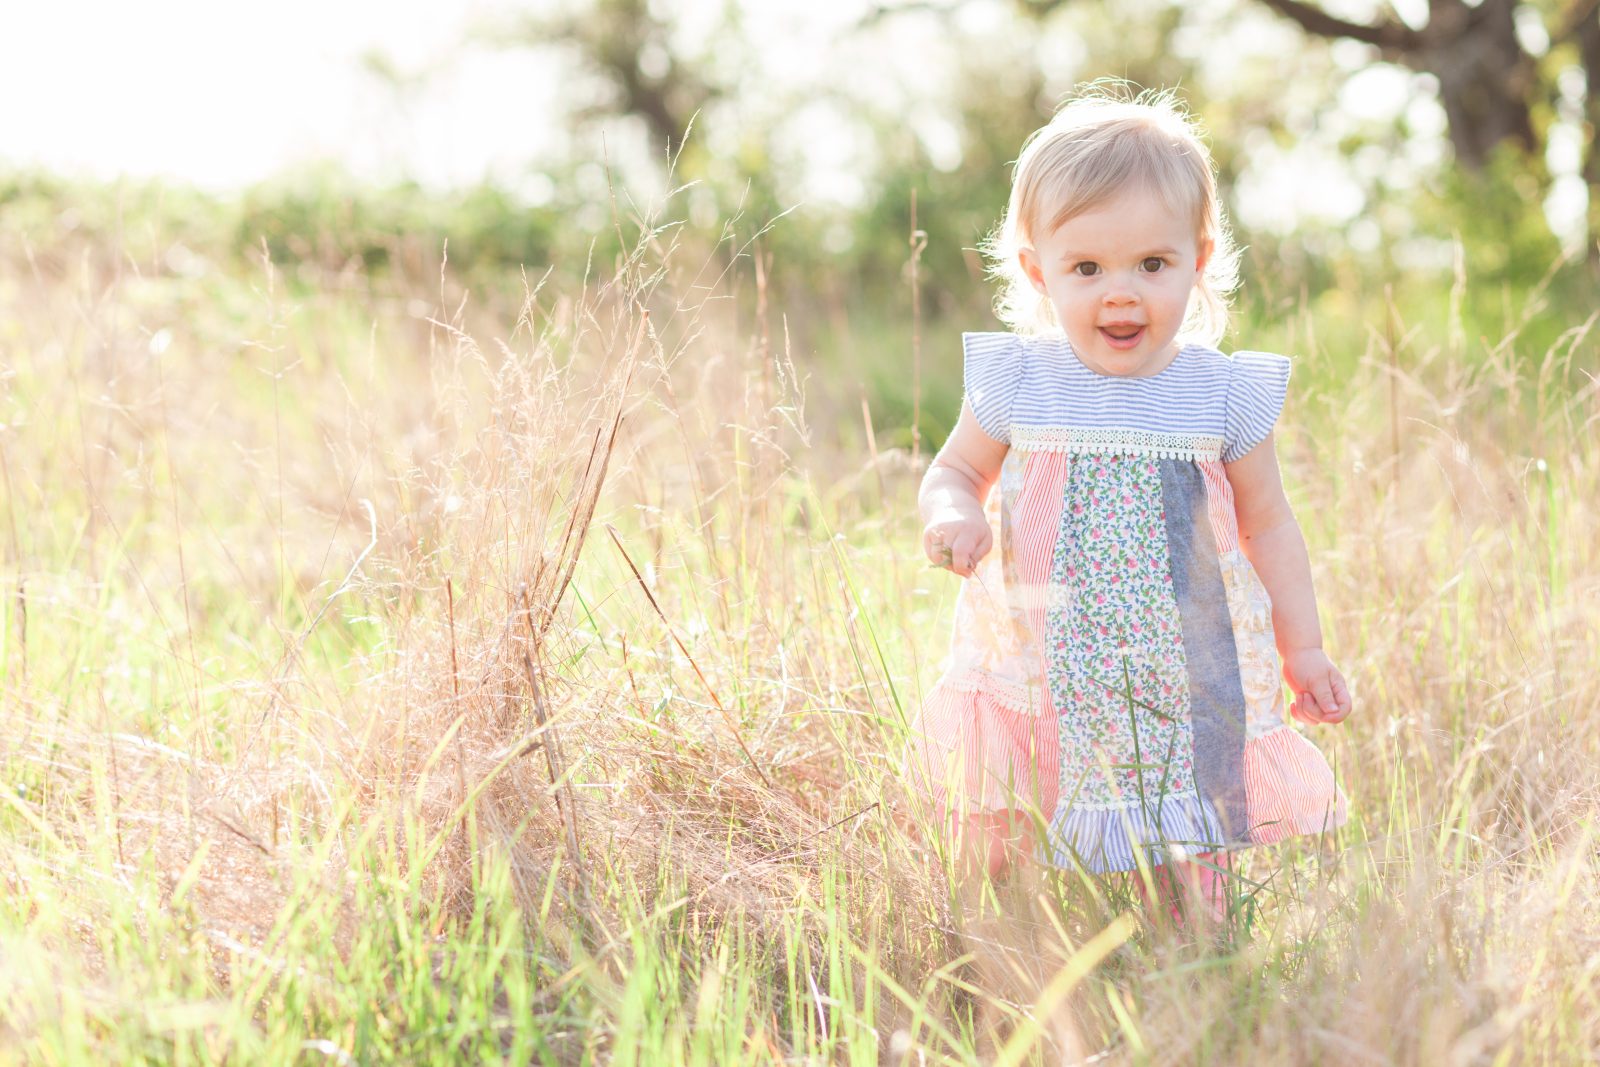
(223, 94)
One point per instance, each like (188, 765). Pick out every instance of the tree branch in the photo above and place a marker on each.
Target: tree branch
(1389, 35)
(878, 12)
(1581, 12)
(1034, 9)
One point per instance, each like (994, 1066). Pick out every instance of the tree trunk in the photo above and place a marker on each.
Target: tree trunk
(630, 49)
(1588, 38)
(1487, 80)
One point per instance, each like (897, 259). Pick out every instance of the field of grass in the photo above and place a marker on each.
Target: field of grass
(398, 673)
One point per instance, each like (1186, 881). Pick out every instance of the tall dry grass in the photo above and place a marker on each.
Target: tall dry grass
(394, 672)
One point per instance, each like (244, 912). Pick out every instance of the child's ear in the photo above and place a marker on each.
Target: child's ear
(1207, 245)
(1033, 267)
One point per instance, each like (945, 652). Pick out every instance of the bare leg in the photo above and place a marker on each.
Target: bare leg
(992, 841)
(1189, 893)
(991, 846)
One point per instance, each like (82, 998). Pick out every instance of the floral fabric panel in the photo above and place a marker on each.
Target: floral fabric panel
(1114, 658)
(1003, 505)
(1250, 608)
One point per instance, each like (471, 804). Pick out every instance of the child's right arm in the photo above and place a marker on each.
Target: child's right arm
(955, 533)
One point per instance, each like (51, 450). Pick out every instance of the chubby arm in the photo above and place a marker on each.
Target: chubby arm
(955, 534)
(1271, 540)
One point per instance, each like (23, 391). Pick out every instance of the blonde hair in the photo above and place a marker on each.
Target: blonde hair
(1104, 140)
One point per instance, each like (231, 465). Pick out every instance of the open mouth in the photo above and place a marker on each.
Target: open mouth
(1125, 335)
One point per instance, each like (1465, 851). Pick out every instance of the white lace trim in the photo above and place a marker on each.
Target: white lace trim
(1017, 696)
(1123, 442)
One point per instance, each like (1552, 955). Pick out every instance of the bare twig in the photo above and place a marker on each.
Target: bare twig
(242, 834)
(555, 761)
(455, 687)
(349, 578)
(918, 242)
(673, 633)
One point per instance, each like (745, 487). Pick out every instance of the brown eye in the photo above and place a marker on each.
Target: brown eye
(1086, 269)
(1153, 264)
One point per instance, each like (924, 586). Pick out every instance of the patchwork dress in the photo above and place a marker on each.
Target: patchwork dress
(1113, 662)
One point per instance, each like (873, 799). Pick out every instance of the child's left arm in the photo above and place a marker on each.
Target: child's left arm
(1271, 540)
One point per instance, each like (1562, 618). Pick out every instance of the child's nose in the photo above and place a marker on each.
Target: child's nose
(1120, 288)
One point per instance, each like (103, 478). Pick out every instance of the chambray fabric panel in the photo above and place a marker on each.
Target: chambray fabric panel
(1217, 704)
(1259, 383)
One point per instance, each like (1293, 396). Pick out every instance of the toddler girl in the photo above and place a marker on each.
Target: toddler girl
(1112, 672)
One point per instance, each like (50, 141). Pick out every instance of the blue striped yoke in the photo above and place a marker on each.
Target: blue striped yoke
(1033, 392)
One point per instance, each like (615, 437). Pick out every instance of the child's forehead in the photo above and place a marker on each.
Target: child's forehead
(1130, 218)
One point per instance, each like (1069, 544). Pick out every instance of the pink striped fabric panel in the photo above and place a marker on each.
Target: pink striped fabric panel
(1289, 788)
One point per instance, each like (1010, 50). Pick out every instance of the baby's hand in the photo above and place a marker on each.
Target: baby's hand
(957, 539)
(1320, 695)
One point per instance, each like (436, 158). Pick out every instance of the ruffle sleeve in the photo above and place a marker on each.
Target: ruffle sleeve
(1257, 385)
(991, 373)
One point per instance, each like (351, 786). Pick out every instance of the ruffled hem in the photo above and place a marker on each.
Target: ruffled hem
(972, 751)
(1106, 839)
(1289, 790)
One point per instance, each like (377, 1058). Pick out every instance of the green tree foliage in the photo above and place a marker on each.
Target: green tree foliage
(711, 119)
(1498, 65)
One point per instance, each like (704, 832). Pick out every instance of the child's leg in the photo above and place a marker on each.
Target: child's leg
(991, 840)
(1188, 889)
(995, 895)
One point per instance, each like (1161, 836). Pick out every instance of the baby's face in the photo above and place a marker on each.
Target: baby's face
(1119, 277)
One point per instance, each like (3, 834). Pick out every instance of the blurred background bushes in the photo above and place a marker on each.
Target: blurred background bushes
(1465, 227)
